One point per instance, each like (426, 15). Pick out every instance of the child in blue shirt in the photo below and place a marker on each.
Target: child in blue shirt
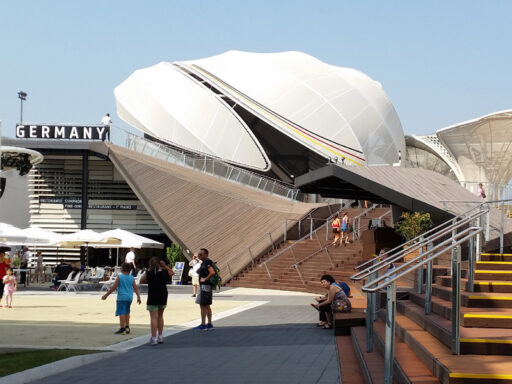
(125, 285)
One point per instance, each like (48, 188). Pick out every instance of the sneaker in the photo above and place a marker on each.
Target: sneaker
(120, 331)
(160, 339)
(127, 331)
(193, 295)
(153, 341)
(209, 326)
(200, 327)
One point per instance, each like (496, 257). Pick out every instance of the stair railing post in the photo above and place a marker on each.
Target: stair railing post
(471, 264)
(456, 301)
(389, 346)
(326, 229)
(419, 287)
(229, 270)
(293, 254)
(300, 221)
(502, 226)
(285, 228)
(487, 225)
(369, 318)
(478, 240)
(375, 300)
(271, 241)
(310, 228)
(326, 251)
(251, 256)
(428, 284)
(300, 274)
(268, 271)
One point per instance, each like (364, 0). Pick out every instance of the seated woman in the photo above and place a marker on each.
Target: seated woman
(323, 304)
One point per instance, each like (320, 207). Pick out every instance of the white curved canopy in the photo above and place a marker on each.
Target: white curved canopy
(332, 111)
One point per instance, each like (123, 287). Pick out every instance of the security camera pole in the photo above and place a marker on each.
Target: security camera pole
(22, 96)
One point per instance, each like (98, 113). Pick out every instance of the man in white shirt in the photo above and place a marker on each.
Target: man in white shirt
(130, 259)
(106, 121)
(25, 259)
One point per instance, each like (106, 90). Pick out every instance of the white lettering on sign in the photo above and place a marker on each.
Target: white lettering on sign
(20, 131)
(80, 132)
(59, 132)
(74, 133)
(45, 132)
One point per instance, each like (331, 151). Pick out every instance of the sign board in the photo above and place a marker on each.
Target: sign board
(76, 203)
(66, 132)
(178, 272)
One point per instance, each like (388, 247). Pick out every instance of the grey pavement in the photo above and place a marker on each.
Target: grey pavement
(274, 343)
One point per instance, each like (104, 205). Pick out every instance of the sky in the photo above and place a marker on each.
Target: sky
(440, 62)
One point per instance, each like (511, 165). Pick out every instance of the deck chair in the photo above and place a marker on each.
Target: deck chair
(64, 283)
(73, 284)
(106, 285)
(100, 272)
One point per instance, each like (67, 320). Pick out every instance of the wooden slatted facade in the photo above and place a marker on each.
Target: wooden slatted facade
(200, 210)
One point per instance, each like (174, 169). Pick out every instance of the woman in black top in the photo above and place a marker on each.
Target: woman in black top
(157, 277)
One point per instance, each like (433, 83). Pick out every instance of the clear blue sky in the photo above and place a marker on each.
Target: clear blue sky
(440, 62)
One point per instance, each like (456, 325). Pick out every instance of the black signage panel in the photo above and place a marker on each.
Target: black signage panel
(69, 132)
(76, 203)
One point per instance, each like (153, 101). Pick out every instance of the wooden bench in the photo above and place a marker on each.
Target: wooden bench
(344, 321)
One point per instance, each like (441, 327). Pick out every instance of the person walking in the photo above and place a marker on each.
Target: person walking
(336, 230)
(4, 265)
(125, 285)
(205, 296)
(10, 285)
(157, 277)
(344, 229)
(130, 259)
(194, 265)
(481, 192)
(39, 271)
(25, 258)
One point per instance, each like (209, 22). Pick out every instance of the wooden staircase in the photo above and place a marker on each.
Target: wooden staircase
(285, 277)
(423, 342)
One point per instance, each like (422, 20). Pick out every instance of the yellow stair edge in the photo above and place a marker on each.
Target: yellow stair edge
(479, 316)
(494, 376)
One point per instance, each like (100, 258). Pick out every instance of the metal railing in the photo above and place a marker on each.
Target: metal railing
(493, 191)
(211, 165)
(322, 247)
(449, 236)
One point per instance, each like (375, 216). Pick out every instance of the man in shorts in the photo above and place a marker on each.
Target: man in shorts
(204, 297)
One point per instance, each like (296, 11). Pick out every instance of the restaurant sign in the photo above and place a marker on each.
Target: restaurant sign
(69, 132)
(76, 203)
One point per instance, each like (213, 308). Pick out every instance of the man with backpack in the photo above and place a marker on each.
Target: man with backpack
(204, 296)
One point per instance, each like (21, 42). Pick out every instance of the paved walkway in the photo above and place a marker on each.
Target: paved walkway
(273, 343)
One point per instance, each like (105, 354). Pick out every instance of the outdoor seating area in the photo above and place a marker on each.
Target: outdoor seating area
(75, 276)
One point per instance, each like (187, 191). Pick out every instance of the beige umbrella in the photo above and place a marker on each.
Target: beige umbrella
(84, 238)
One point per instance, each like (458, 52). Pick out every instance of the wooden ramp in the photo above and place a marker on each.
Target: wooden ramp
(203, 211)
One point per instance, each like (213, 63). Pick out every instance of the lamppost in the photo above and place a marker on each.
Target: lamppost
(22, 96)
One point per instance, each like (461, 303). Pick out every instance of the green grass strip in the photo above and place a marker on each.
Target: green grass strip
(12, 362)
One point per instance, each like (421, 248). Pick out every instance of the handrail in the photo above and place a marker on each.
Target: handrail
(302, 238)
(391, 258)
(466, 227)
(423, 235)
(420, 260)
(210, 164)
(324, 248)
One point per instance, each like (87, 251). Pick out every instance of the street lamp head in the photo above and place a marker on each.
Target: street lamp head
(22, 95)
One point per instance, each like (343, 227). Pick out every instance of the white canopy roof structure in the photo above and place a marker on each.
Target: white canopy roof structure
(12, 235)
(128, 240)
(260, 110)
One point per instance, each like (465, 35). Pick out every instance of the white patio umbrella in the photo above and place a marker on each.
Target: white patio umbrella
(85, 237)
(128, 240)
(41, 236)
(12, 235)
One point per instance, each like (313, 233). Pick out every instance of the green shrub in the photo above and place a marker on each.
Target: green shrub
(412, 225)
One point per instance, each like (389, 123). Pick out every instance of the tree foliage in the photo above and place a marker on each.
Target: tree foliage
(412, 225)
